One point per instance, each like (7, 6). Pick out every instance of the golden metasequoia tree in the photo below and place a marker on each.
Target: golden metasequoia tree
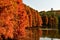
(29, 14)
(7, 8)
(34, 19)
(15, 17)
(23, 19)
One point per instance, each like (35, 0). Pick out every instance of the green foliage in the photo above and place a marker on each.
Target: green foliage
(52, 23)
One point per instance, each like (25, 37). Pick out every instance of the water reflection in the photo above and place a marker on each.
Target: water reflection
(46, 38)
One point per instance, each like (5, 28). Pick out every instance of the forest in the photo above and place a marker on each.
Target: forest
(21, 22)
(51, 19)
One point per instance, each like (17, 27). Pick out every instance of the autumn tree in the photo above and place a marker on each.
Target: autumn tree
(7, 9)
(15, 17)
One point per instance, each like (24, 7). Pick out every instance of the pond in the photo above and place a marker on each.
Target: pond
(46, 38)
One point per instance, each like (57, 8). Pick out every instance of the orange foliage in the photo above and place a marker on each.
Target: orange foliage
(29, 14)
(30, 17)
(23, 20)
(39, 22)
(15, 17)
(34, 19)
(7, 9)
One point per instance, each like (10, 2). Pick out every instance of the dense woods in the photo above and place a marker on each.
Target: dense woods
(34, 20)
(52, 22)
(16, 17)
